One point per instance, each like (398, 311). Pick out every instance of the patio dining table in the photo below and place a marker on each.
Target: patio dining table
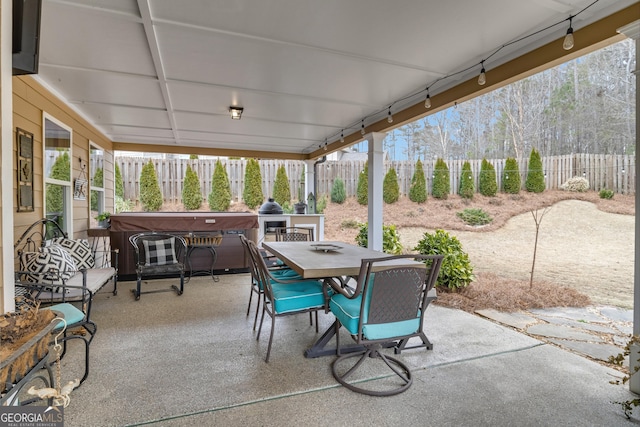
(326, 260)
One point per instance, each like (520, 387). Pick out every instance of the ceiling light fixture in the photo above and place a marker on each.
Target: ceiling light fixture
(389, 116)
(236, 112)
(427, 101)
(362, 128)
(568, 39)
(482, 78)
(342, 136)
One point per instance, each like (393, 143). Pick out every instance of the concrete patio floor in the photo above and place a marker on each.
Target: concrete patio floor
(188, 360)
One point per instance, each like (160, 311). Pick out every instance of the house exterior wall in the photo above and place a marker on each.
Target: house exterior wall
(31, 101)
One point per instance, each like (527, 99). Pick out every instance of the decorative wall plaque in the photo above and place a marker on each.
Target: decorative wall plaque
(81, 184)
(24, 166)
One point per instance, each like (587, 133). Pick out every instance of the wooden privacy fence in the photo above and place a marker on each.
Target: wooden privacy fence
(614, 172)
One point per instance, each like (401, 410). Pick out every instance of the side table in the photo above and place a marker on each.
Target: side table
(205, 241)
(98, 234)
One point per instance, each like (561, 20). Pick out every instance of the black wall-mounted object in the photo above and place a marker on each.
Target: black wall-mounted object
(26, 36)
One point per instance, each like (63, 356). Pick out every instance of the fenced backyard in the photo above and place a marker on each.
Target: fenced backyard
(613, 172)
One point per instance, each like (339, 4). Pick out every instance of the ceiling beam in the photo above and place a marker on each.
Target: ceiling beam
(205, 151)
(154, 49)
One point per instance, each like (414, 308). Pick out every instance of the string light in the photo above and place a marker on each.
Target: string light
(482, 78)
(568, 39)
(568, 44)
(325, 144)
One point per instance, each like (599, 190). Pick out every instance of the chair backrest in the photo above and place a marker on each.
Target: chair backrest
(294, 234)
(36, 236)
(152, 249)
(255, 277)
(262, 274)
(395, 294)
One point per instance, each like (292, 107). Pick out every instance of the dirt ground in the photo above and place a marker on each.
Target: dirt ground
(584, 242)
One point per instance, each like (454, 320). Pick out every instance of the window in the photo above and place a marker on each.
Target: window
(96, 170)
(57, 173)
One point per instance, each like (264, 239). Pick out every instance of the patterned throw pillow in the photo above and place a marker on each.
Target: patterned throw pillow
(160, 252)
(51, 265)
(79, 250)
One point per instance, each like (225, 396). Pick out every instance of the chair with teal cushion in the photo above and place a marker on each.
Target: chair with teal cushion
(284, 296)
(75, 318)
(386, 309)
(281, 272)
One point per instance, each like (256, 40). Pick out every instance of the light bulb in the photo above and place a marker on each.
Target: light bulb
(362, 129)
(427, 102)
(482, 78)
(389, 116)
(568, 40)
(342, 136)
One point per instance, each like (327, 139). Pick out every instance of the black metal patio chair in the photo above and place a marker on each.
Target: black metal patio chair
(157, 255)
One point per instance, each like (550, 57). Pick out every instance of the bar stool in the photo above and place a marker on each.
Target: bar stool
(205, 241)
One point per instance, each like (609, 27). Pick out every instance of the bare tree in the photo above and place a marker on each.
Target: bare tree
(537, 218)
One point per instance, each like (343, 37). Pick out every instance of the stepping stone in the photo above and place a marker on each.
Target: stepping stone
(596, 351)
(516, 320)
(570, 313)
(564, 332)
(617, 314)
(579, 325)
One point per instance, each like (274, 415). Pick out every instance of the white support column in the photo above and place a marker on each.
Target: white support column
(633, 32)
(6, 158)
(309, 180)
(375, 179)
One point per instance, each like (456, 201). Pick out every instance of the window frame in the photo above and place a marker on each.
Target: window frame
(67, 187)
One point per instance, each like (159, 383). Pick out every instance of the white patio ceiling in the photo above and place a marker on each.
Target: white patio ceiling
(165, 72)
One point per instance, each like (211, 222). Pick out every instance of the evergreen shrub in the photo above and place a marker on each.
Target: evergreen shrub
(488, 184)
(191, 191)
(390, 187)
(390, 238)
(441, 186)
(281, 189)
(511, 176)
(220, 196)
(338, 192)
(535, 176)
(321, 204)
(252, 193)
(418, 189)
(605, 193)
(474, 216)
(362, 191)
(150, 194)
(456, 271)
(97, 181)
(467, 187)
(119, 182)
(61, 170)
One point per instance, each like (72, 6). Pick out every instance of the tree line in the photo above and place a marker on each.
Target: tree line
(583, 106)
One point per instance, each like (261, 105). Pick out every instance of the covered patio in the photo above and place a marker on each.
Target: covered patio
(156, 76)
(194, 360)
